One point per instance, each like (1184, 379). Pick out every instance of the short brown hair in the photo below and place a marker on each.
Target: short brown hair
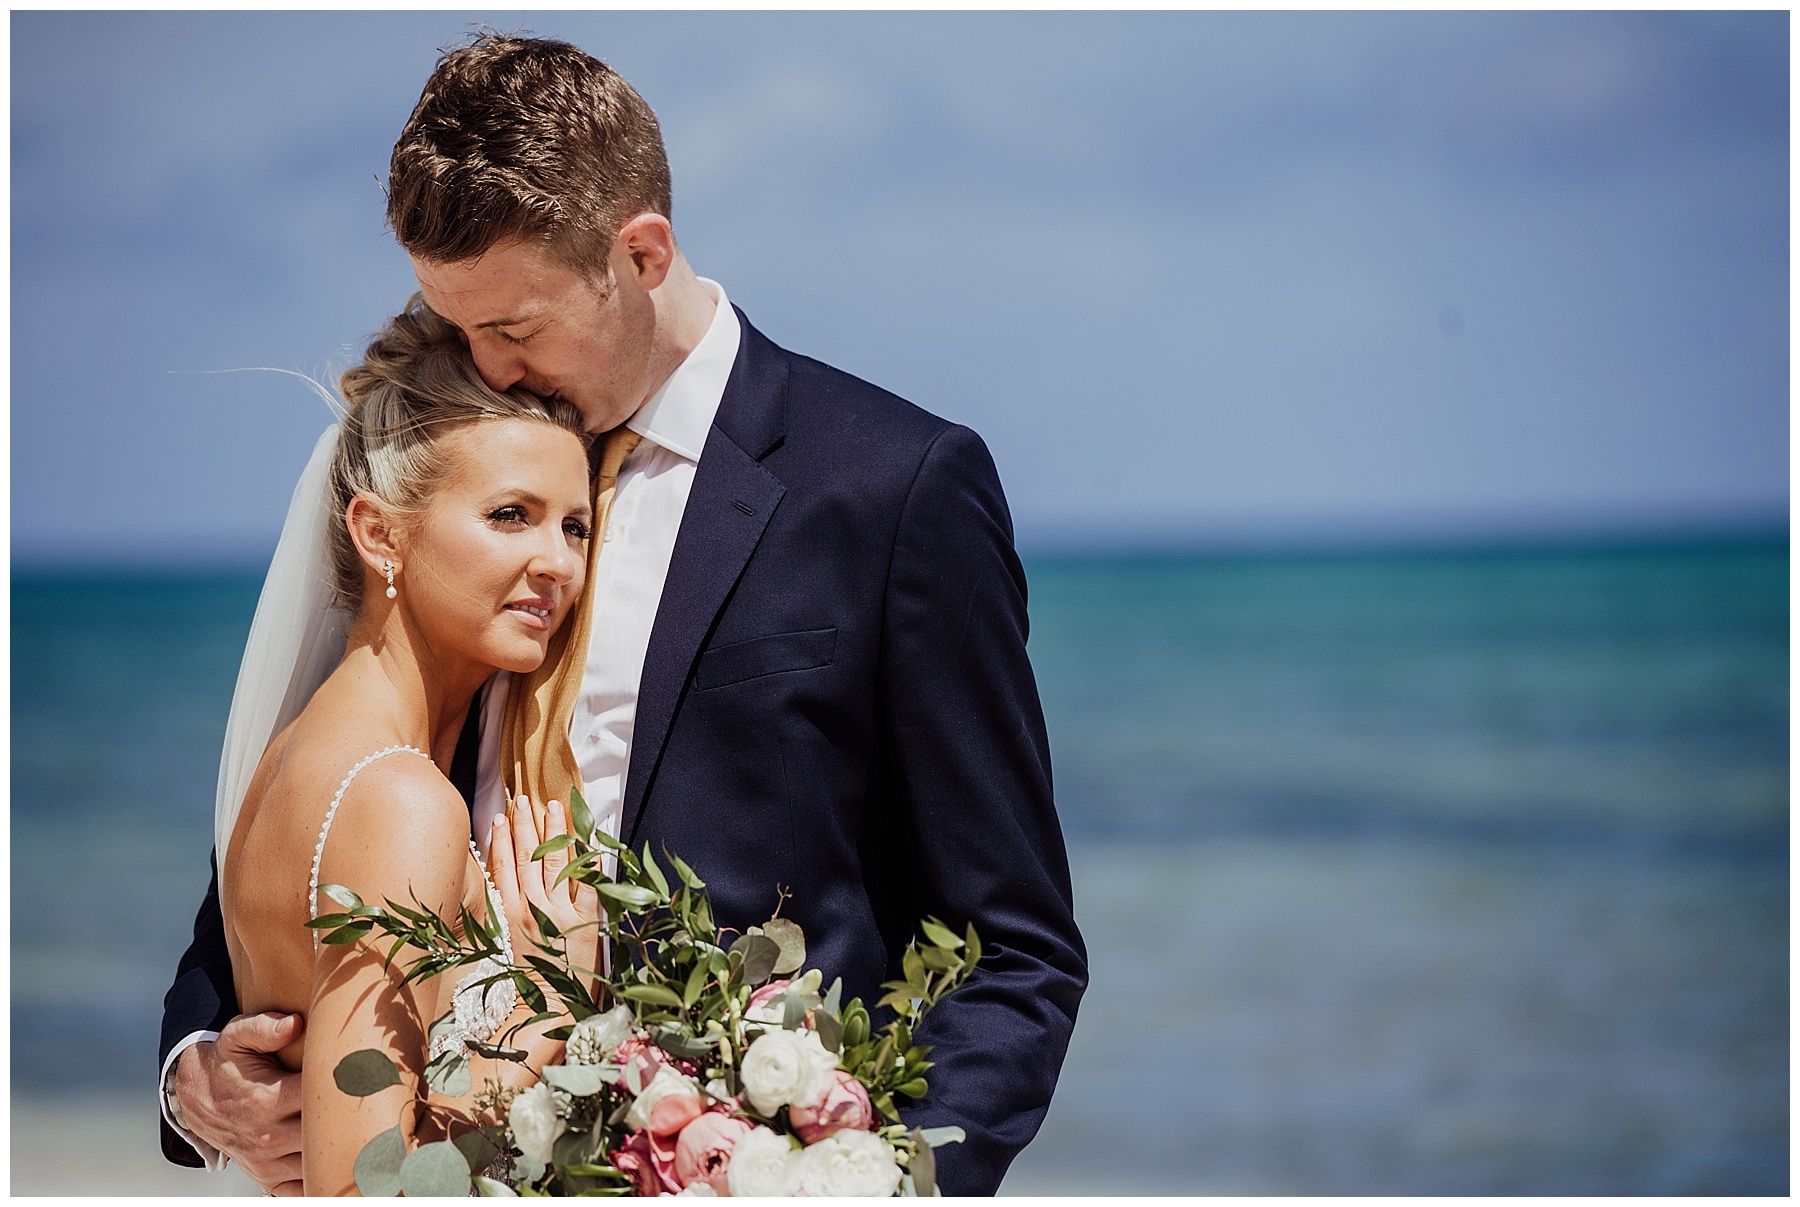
(524, 138)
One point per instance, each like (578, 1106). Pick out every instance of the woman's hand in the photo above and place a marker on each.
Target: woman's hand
(573, 908)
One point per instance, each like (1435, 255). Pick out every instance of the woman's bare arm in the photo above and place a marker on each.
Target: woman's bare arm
(401, 835)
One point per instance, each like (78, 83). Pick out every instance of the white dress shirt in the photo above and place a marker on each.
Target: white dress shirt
(639, 540)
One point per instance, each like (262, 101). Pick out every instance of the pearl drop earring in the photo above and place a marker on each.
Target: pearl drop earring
(392, 590)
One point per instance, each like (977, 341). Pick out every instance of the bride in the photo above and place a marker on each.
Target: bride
(459, 545)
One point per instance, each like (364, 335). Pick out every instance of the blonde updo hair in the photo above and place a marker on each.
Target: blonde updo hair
(416, 384)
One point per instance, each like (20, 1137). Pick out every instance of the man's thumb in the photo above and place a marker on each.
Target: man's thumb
(270, 1031)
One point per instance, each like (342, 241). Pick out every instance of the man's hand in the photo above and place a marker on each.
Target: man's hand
(234, 1094)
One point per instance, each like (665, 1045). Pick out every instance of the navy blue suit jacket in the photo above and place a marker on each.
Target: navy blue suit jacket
(836, 699)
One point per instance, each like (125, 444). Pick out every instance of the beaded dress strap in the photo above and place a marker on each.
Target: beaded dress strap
(312, 884)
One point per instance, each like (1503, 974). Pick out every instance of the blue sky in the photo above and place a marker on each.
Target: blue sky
(1194, 276)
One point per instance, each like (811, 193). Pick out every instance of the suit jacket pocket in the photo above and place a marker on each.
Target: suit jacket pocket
(759, 656)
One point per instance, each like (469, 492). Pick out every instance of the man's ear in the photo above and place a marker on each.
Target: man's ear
(646, 245)
(375, 531)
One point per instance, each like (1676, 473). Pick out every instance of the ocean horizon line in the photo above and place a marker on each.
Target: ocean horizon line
(166, 558)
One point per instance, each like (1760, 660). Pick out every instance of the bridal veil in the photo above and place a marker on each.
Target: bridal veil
(295, 641)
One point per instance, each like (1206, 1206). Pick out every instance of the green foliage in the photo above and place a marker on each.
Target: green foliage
(366, 1072)
(377, 1167)
(922, 1167)
(792, 942)
(448, 1074)
(478, 1149)
(435, 1171)
(688, 990)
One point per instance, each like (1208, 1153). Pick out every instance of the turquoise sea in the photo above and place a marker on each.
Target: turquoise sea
(1452, 873)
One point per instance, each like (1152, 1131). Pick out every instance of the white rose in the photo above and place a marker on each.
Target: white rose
(763, 1165)
(535, 1123)
(849, 1164)
(596, 1036)
(786, 1068)
(669, 1083)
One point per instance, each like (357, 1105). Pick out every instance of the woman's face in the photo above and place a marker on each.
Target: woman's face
(497, 559)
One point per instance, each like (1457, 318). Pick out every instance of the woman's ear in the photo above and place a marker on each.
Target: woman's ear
(375, 531)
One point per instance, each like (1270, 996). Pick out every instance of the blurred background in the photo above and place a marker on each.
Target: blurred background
(1393, 408)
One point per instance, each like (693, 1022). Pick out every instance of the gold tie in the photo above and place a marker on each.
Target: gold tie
(534, 740)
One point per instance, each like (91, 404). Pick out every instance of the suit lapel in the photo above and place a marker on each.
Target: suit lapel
(732, 500)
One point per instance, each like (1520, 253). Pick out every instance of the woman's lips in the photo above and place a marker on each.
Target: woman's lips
(535, 613)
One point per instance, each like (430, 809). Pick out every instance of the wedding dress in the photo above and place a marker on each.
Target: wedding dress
(479, 1011)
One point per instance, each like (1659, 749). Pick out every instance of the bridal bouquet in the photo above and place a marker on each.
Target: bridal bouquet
(699, 1067)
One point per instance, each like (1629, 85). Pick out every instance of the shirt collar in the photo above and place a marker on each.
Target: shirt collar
(680, 413)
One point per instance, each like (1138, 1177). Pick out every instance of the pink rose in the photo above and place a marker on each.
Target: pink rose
(669, 1103)
(647, 1058)
(703, 1151)
(759, 1009)
(649, 1161)
(844, 1107)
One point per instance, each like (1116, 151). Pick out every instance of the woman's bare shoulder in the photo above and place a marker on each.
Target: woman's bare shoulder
(400, 829)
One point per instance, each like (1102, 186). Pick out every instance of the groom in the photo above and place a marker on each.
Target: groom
(807, 661)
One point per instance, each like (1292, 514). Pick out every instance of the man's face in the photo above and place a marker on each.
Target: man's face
(533, 321)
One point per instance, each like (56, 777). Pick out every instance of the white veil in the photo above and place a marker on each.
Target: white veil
(295, 641)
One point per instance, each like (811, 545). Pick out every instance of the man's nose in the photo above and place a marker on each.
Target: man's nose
(500, 367)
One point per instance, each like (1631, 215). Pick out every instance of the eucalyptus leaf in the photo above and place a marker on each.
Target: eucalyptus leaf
(438, 1171)
(923, 1167)
(793, 1011)
(449, 1074)
(579, 1080)
(830, 1031)
(936, 1136)
(478, 1149)
(377, 1168)
(792, 941)
(366, 1072)
(445, 1024)
(833, 995)
(760, 955)
(574, 1148)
